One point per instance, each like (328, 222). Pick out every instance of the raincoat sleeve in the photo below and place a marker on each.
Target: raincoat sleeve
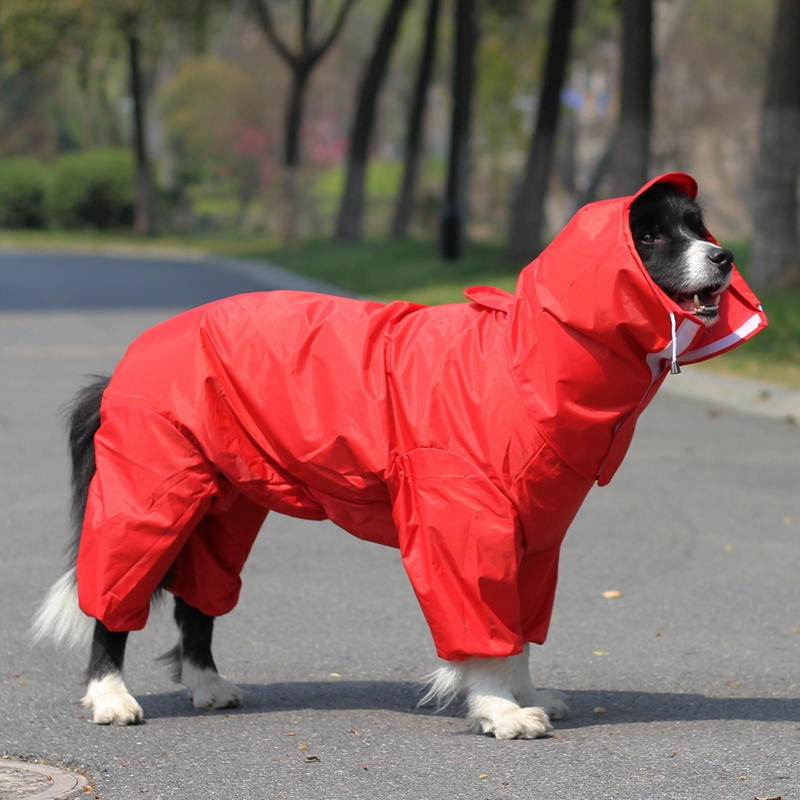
(151, 489)
(461, 546)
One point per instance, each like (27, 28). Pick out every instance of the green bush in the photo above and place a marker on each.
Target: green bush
(93, 189)
(22, 193)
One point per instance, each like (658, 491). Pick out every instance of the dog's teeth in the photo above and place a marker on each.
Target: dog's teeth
(717, 299)
(696, 301)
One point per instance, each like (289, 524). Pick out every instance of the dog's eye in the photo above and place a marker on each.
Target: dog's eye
(648, 238)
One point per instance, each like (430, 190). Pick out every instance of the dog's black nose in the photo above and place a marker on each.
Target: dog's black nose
(722, 257)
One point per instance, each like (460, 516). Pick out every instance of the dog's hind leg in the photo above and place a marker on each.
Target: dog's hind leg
(193, 664)
(106, 694)
(551, 702)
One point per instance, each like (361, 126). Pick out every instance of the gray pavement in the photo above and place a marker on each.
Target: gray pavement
(757, 398)
(35, 280)
(696, 665)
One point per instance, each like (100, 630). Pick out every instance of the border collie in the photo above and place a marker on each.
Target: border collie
(671, 240)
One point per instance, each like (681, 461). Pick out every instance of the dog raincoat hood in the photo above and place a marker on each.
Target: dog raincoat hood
(591, 336)
(465, 435)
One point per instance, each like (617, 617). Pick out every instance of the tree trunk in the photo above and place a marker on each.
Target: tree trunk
(663, 55)
(405, 199)
(527, 214)
(145, 220)
(632, 152)
(351, 210)
(456, 206)
(775, 260)
(301, 61)
(290, 179)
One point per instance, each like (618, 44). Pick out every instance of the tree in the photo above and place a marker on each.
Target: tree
(416, 115)
(37, 37)
(143, 18)
(51, 28)
(145, 217)
(775, 258)
(662, 64)
(351, 208)
(301, 61)
(632, 145)
(456, 205)
(527, 212)
(215, 124)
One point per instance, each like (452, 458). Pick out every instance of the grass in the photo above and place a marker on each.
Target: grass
(412, 270)
(91, 240)
(390, 270)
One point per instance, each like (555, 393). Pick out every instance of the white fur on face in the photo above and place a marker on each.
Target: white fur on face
(700, 271)
(206, 689)
(111, 702)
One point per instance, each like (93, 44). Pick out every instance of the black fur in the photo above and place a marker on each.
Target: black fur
(664, 223)
(107, 654)
(83, 421)
(195, 644)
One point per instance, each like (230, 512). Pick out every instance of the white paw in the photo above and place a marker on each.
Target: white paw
(552, 703)
(111, 702)
(206, 689)
(506, 720)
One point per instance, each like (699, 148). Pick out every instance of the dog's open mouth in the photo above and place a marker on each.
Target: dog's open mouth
(703, 303)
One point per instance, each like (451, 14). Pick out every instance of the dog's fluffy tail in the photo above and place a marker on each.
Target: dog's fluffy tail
(59, 618)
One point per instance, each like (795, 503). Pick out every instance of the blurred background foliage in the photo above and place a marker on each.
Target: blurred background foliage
(216, 95)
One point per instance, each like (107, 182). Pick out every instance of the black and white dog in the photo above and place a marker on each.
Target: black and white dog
(671, 239)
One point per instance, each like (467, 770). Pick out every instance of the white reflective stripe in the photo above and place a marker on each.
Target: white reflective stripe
(742, 332)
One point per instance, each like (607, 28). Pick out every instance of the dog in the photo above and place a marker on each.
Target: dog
(666, 229)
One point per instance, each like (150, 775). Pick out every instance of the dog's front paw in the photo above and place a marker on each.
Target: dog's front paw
(552, 703)
(111, 702)
(506, 720)
(206, 689)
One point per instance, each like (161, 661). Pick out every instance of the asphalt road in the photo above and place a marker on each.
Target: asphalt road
(696, 665)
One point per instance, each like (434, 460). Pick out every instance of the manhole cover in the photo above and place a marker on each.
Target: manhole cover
(20, 780)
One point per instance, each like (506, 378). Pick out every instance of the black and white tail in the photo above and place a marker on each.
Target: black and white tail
(59, 619)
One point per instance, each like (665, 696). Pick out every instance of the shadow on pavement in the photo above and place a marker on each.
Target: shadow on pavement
(319, 695)
(630, 707)
(620, 707)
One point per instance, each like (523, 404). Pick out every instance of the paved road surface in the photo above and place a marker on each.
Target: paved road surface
(37, 281)
(697, 664)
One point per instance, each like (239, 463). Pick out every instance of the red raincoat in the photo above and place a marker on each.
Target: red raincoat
(467, 435)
